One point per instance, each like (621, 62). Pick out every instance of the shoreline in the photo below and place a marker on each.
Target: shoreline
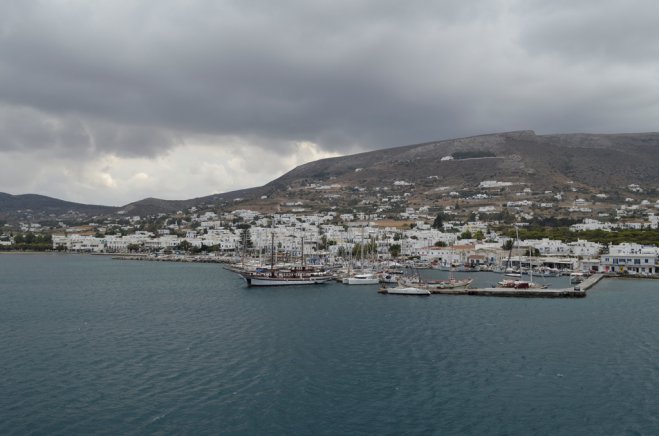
(169, 258)
(551, 293)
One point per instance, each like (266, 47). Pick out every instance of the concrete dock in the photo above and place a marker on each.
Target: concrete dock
(577, 291)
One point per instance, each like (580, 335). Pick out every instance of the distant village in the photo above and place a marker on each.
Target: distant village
(424, 235)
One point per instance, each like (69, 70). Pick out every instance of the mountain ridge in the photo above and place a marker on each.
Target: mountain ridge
(591, 162)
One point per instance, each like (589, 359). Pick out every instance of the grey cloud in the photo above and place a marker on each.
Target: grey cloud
(136, 76)
(604, 31)
(27, 130)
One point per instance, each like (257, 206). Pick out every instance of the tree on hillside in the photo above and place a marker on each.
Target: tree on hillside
(184, 245)
(439, 221)
(394, 250)
(323, 242)
(133, 247)
(245, 237)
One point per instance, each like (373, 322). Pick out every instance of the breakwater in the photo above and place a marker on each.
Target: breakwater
(175, 258)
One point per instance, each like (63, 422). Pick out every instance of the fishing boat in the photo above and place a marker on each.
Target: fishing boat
(577, 277)
(451, 283)
(387, 277)
(520, 284)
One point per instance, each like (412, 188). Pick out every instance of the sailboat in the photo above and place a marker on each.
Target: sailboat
(363, 278)
(520, 284)
(510, 271)
(402, 289)
(407, 286)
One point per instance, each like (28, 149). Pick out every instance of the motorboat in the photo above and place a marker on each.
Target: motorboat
(362, 279)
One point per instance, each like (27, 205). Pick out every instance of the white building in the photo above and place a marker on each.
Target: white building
(631, 263)
(547, 246)
(631, 258)
(584, 248)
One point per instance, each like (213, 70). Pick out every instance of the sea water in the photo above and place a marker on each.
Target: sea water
(92, 345)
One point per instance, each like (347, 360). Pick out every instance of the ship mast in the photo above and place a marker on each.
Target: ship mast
(361, 260)
(243, 254)
(272, 256)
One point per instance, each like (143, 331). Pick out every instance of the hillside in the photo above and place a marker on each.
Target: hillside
(40, 207)
(586, 164)
(599, 161)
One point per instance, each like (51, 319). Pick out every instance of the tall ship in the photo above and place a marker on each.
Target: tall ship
(285, 277)
(274, 276)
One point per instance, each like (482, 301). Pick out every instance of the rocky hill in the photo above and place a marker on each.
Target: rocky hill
(598, 161)
(589, 164)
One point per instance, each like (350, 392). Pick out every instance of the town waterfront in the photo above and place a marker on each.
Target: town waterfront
(93, 345)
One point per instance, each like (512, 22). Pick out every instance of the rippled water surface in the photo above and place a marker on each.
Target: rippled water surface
(93, 345)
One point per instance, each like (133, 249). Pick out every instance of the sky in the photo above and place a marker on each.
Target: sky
(110, 102)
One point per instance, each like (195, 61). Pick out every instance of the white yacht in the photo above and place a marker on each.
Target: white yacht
(362, 279)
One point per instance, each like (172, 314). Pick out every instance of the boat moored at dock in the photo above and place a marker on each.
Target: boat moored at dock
(274, 276)
(405, 290)
(362, 279)
(451, 283)
(286, 278)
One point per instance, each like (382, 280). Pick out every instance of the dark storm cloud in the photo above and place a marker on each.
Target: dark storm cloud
(25, 130)
(607, 31)
(121, 76)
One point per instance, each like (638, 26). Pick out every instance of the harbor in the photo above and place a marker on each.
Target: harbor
(579, 290)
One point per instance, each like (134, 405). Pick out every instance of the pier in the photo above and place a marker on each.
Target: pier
(578, 291)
